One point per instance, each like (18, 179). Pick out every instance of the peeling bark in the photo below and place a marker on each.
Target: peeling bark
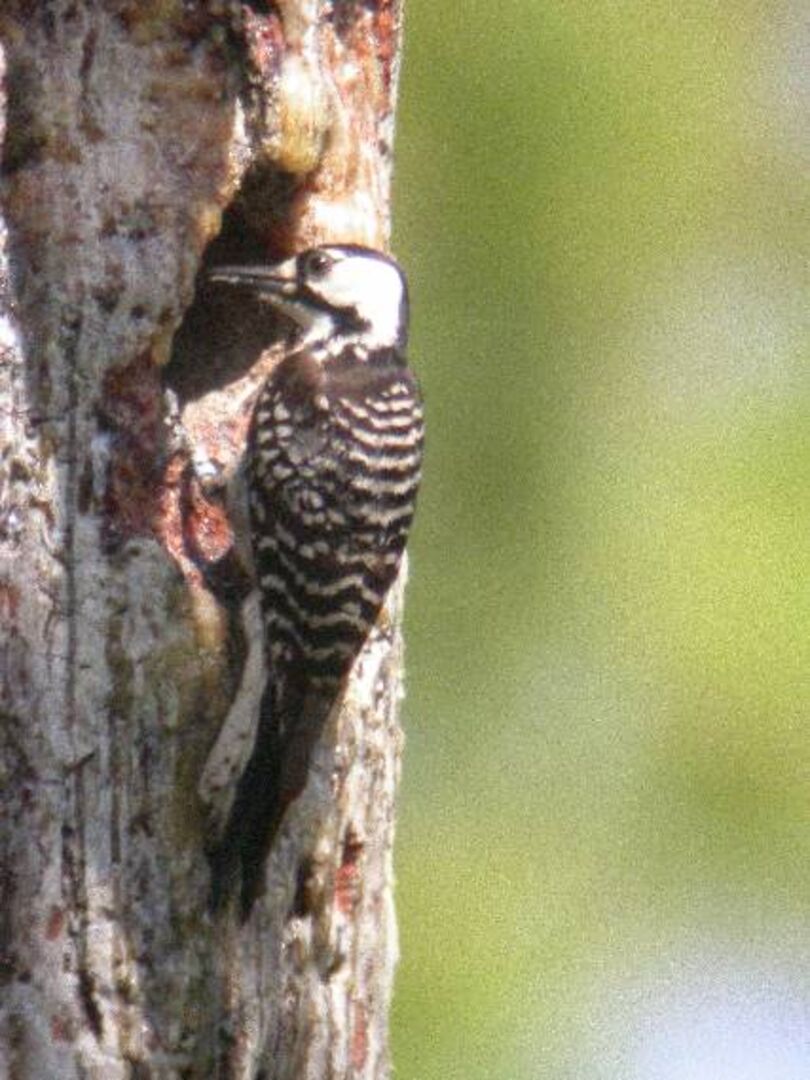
(142, 140)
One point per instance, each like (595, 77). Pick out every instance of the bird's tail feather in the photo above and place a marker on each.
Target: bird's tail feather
(238, 861)
(275, 775)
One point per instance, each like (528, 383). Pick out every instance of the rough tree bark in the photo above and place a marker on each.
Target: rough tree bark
(142, 139)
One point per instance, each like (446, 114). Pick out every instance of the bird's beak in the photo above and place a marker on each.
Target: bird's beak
(272, 283)
(275, 285)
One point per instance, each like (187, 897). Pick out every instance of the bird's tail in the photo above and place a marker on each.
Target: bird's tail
(274, 776)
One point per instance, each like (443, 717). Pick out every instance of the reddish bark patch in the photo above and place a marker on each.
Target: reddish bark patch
(61, 1029)
(359, 1036)
(55, 923)
(9, 603)
(207, 529)
(149, 489)
(348, 877)
(373, 23)
(264, 35)
(167, 518)
(385, 20)
(132, 416)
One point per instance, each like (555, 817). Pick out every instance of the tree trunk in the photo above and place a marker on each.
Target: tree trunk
(143, 139)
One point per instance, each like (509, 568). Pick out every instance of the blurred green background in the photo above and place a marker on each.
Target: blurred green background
(604, 852)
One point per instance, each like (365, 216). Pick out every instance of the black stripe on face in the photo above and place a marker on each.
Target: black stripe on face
(346, 320)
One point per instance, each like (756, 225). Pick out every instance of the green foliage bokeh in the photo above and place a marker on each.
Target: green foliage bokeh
(606, 799)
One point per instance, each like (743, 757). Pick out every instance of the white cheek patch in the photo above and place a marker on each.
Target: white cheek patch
(374, 289)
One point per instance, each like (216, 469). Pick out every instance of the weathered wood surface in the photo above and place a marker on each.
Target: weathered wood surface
(140, 141)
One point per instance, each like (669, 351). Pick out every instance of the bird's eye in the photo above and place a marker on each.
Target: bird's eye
(316, 263)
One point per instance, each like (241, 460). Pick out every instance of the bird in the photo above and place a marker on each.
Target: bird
(333, 465)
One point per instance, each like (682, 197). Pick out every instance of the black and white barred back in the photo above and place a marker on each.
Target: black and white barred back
(335, 468)
(334, 463)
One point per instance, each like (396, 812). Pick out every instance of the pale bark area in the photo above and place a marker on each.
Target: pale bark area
(135, 134)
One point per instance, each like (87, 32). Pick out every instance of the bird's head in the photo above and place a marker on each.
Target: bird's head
(338, 294)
